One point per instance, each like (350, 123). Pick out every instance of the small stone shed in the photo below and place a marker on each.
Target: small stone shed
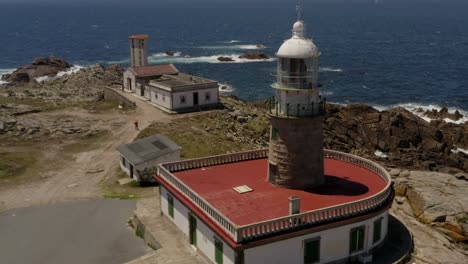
(140, 158)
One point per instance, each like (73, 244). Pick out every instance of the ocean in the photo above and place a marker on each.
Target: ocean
(384, 54)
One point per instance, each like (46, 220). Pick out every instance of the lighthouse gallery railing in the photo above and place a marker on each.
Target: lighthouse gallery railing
(282, 224)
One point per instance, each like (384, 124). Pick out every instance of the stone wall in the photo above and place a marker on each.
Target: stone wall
(296, 152)
(112, 95)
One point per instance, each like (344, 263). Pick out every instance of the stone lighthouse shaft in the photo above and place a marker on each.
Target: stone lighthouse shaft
(296, 112)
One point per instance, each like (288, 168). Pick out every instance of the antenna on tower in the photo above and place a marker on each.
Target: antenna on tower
(299, 9)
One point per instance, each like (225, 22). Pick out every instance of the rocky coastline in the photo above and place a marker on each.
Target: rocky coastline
(427, 160)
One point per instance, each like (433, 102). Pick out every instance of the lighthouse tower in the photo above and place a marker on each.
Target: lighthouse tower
(296, 111)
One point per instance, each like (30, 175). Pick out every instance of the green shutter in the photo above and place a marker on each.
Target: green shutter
(357, 239)
(193, 230)
(218, 252)
(353, 240)
(360, 238)
(377, 230)
(170, 204)
(312, 251)
(274, 134)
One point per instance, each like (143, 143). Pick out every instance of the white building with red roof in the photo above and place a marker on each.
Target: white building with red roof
(295, 202)
(163, 85)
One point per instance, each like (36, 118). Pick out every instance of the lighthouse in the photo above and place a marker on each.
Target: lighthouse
(295, 157)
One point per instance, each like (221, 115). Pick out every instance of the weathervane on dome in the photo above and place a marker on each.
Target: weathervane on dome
(299, 10)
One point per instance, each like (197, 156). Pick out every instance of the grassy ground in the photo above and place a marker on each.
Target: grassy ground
(14, 164)
(133, 190)
(202, 135)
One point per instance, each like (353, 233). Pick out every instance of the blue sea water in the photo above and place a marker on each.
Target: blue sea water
(380, 54)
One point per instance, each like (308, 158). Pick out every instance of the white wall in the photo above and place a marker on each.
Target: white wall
(126, 168)
(163, 98)
(205, 237)
(214, 98)
(128, 74)
(334, 245)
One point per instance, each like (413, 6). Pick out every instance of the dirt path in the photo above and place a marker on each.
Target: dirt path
(79, 177)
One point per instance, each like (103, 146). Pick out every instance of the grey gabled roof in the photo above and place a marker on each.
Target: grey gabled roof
(147, 148)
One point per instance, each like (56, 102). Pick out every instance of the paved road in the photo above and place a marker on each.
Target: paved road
(78, 232)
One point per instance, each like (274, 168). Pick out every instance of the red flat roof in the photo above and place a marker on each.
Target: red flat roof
(143, 36)
(153, 70)
(345, 182)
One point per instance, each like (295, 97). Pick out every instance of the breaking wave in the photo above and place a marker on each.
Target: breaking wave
(3, 72)
(161, 58)
(225, 88)
(59, 75)
(234, 47)
(330, 69)
(231, 41)
(416, 109)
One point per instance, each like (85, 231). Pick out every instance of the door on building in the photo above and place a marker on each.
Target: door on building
(195, 98)
(131, 171)
(193, 229)
(142, 91)
(129, 84)
(312, 251)
(218, 251)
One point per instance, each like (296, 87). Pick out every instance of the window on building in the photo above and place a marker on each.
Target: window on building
(357, 239)
(182, 99)
(312, 251)
(208, 96)
(377, 230)
(124, 164)
(164, 98)
(170, 205)
(218, 251)
(155, 96)
(274, 134)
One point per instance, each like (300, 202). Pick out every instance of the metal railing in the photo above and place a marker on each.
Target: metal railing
(256, 230)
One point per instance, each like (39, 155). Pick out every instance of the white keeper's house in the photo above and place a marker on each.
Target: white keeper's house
(163, 85)
(292, 203)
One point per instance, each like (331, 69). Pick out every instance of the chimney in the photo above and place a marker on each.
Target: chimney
(294, 205)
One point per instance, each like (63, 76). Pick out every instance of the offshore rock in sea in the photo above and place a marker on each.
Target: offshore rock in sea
(225, 59)
(254, 55)
(43, 66)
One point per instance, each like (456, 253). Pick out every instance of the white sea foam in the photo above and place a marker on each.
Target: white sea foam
(59, 75)
(3, 72)
(225, 88)
(326, 93)
(330, 69)
(460, 150)
(234, 47)
(381, 154)
(231, 41)
(415, 109)
(163, 58)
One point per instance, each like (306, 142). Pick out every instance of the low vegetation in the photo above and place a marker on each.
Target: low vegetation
(130, 191)
(13, 164)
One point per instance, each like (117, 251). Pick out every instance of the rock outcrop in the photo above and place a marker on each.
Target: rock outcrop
(44, 66)
(84, 85)
(225, 59)
(254, 55)
(407, 140)
(436, 199)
